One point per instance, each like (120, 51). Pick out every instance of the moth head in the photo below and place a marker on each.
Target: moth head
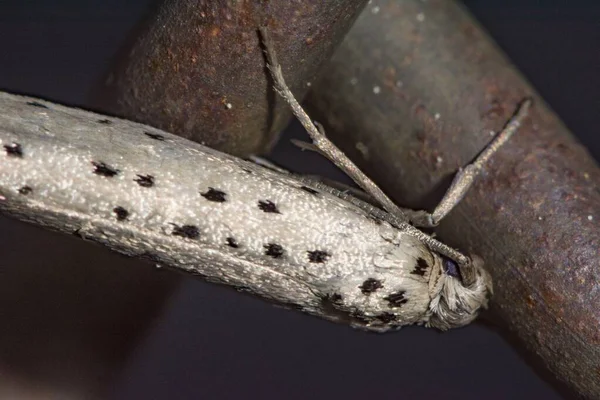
(458, 293)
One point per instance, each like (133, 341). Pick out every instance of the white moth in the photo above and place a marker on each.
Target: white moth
(146, 193)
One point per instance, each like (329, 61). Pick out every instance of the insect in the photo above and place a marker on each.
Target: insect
(458, 286)
(146, 193)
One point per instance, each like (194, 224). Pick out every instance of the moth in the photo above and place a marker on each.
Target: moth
(300, 243)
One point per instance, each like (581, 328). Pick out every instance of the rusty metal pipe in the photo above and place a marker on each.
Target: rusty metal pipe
(411, 95)
(195, 68)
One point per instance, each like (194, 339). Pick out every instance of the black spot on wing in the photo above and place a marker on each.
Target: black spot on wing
(397, 299)
(273, 250)
(370, 285)
(36, 104)
(268, 206)
(386, 317)
(333, 307)
(155, 136)
(145, 180)
(121, 213)
(25, 190)
(318, 256)
(104, 169)
(104, 121)
(14, 150)
(231, 242)
(218, 196)
(186, 231)
(421, 267)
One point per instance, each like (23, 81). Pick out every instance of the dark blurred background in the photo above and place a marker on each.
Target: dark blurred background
(75, 325)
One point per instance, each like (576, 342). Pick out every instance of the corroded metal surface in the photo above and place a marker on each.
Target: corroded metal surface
(412, 94)
(196, 68)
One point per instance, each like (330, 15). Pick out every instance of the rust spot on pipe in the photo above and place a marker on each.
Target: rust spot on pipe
(196, 69)
(528, 217)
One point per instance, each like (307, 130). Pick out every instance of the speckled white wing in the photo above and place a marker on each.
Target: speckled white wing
(144, 192)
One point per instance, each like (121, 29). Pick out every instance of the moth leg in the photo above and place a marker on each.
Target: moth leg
(307, 146)
(365, 201)
(464, 262)
(316, 133)
(466, 176)
(395, 214)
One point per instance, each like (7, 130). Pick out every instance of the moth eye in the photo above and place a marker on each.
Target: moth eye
(451, 267)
